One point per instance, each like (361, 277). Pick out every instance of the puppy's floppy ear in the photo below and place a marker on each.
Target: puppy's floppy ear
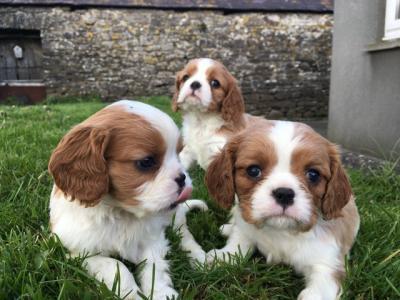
(174, 103)
(232, 106)
(220, 176)
(78, 165)
(338, 191)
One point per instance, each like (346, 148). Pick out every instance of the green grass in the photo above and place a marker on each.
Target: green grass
(35, 266)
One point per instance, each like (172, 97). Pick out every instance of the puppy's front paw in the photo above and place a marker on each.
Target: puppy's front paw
(269, 258)
(197, 257)
(217, 255)
(211, 256)
(226, 229)
(165, 293)
(310, 294)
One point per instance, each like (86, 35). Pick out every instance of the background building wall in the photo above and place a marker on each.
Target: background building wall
(282, 60)
(364, 110)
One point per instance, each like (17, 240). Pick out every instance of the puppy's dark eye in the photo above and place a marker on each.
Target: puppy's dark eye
(254, 171)
(215, 84)
(313, 175)
(145, 164)
(185, 77)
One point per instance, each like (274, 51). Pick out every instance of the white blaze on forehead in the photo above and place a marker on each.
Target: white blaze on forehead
(202, 65)
(160, 120)
(264, 205)
(285, 141)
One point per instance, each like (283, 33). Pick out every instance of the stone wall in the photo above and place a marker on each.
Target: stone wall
(282, 60)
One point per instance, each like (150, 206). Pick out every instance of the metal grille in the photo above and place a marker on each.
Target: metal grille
(20, 57)
(20, 73)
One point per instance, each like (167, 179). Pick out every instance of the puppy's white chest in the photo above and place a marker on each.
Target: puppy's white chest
(299, 250)
(101, 228)
(277, 246)
(200, 134)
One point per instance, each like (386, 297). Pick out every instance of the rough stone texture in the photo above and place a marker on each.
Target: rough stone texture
(282, 60)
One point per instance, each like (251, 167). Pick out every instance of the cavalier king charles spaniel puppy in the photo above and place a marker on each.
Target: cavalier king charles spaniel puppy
(293, 202)
(118, 184)
(212, 107)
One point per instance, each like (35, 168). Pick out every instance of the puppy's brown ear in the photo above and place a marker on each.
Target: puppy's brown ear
(174, 103)
(232, 107)
(220, 176)
(338, 191)
(78, 165)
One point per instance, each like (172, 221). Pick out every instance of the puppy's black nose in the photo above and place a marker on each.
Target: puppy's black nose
(195, 85)
(181, 180)
(283, 196)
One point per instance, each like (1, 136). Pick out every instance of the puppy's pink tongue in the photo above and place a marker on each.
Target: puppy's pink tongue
(185, 194)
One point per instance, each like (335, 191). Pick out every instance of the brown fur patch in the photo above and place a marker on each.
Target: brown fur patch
(227, 172)
(338, 192)
(227, 99)
(311, 153)
(78, 165)
(254, 150)
(219, 177)
(134, 139)
(333, 191)
(98, 156)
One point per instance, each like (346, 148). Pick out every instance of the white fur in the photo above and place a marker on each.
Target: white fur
(201, 139)
(200, 127)
(135, 233)
(314, 253)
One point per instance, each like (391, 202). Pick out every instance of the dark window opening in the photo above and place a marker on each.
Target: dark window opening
(21, 71)
(20, 55)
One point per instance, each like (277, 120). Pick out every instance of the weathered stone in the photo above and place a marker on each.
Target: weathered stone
(281, 60)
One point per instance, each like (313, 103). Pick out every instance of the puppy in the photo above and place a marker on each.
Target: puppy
(212, 107)
(118, 183)
(293, 202)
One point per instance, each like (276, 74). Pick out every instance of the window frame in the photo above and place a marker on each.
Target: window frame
(392, 25)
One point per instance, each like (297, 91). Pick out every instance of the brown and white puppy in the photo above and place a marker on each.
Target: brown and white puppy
(293, 202)
(118, 182)
(212, 107)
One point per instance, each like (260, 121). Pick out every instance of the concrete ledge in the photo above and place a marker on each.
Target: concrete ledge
(22, 83)
(383, 45)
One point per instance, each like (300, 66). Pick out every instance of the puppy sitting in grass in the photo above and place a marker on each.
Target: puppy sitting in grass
(293, 202)
(212, 109)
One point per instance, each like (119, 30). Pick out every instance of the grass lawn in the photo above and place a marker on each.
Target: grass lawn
(35, 266)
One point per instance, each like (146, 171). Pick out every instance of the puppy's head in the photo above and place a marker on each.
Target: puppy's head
(127, 155)
(284, 175)
(205, 85)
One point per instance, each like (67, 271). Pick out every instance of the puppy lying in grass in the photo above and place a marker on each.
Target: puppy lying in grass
(118, 183)
(293, 202)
